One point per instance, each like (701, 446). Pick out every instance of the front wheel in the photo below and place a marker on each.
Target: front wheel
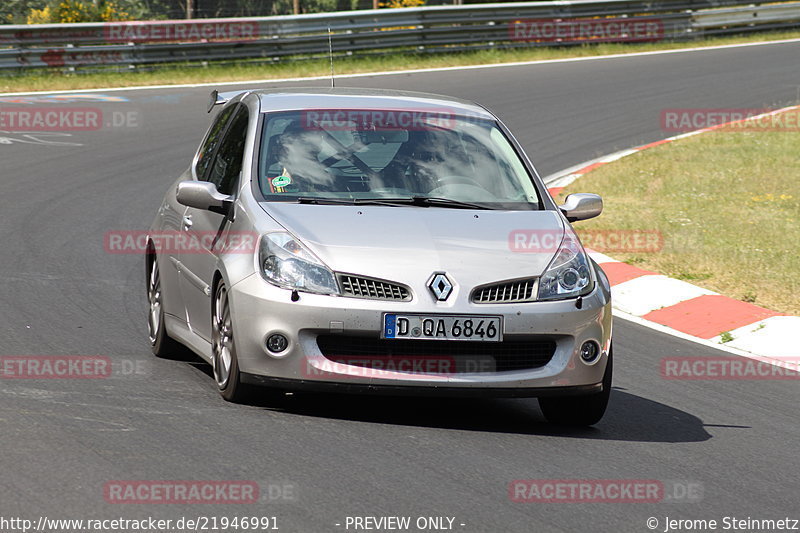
(223, 348)
(584, 410)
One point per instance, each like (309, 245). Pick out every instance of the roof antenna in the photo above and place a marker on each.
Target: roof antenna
(330, 53)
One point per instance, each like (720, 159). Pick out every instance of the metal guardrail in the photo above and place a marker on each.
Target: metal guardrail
(423, 29)
(759, 17)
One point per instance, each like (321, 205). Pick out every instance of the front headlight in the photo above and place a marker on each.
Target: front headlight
(569, 274)
(285, 262)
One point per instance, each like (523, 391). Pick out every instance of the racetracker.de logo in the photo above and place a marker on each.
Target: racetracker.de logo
(181, 492)
(377, 119)
(367, 366)
(586, 491)
(530, 241)
(599, 240)
(55, 367)
(179, 242)
(132, 32)
(729, 120)
(51, 119)
(587, 30)
(622, 240)
(720, 368)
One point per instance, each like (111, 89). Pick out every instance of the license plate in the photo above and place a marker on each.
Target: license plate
(443, 327)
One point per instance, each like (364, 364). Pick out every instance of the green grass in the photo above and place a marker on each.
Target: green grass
(727, 204)
(56, 80)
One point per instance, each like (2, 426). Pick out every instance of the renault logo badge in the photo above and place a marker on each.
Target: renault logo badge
(440, 286)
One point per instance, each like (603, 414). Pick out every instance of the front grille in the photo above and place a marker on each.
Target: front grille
(371, 288)
(428, 356)
(521, 290)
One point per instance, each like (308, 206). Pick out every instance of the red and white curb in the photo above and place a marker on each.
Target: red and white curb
(680, 308)
(698, 312)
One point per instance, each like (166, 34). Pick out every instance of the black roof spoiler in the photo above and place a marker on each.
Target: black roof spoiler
(218, 98)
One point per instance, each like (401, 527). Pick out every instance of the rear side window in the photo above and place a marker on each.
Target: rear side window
(227, 164)
(211, 142)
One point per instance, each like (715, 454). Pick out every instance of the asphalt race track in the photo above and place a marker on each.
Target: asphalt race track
(62, 294)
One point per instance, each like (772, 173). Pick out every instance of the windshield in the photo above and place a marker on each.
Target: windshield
(351, 155)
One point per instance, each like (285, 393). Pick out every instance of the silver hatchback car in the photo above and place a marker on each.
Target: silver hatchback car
(374, 241)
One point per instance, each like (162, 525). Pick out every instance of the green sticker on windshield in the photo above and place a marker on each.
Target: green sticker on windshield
(281, 181)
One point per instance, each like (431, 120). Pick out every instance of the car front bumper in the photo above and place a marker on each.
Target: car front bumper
(260, 309)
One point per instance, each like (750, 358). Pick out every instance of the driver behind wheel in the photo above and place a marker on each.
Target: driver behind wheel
(433, 156)
(294, 161)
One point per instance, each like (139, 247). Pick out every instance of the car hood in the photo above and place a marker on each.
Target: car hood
(407, 244)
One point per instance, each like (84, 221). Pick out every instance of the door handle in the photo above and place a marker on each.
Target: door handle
(187, 222)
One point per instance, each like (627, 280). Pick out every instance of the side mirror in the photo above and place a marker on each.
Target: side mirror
(581, 206)
(202, 195)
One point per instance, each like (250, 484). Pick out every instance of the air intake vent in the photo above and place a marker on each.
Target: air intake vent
(430, 356)
(506, 292)
(372, 289)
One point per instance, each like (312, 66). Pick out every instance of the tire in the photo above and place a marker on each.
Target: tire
(161, 343)
(585, 410)
(223, 348)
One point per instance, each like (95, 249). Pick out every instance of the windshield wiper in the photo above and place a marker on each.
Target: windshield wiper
(315, 200)
(419, 201)
(348, 201)
(428, 201)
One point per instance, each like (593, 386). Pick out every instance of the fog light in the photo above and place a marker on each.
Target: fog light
(277, 343)
(589, 351)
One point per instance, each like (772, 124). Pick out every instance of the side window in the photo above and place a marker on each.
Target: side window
(211, 142)
(228, 161)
